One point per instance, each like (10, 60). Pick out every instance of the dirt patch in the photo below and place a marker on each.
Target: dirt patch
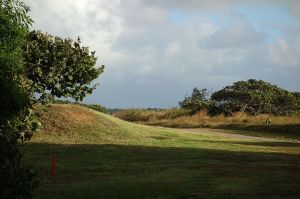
(62, 119)
(79, 115)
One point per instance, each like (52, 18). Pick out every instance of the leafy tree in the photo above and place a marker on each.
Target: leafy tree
(255, 97)
(59, 67)
(297, 96)
(15, 103)
(196, 102)
(53, 67)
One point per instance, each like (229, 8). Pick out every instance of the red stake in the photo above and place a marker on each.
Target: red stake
(53, 166)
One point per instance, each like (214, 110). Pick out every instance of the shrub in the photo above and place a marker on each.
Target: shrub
(95, 107)
(198, 101)
(15, 101)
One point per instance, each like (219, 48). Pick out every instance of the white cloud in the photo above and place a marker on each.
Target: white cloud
(239, 33)
(153, 61)
(285, 54)
(293, 6)
(172, 49)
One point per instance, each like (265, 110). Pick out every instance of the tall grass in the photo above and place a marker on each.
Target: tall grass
(178, 118)
(143, 115)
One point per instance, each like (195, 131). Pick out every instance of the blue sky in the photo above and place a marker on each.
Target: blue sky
(155, 52)
(263, 17)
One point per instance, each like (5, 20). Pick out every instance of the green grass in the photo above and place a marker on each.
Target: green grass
(103, 157)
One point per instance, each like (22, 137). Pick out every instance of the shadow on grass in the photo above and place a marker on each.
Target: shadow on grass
(288, 131)
(284, 130)
(266, 144)
(118, 171)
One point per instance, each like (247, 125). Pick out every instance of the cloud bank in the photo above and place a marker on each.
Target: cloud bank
(155, 52)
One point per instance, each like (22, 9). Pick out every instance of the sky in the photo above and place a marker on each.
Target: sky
(156, 51)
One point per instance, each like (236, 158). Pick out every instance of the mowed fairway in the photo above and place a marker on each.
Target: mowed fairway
(99, 156)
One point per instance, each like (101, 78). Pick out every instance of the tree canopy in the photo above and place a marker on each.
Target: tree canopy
(251, 96)
(196, 102)
(15, 101)
(33, 66)
(14, 24)
(59, 67)
(255, 97)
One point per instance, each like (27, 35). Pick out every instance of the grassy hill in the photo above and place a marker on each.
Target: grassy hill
(99, 156)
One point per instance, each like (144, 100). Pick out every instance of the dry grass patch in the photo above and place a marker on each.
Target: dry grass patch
(65, 118)
(240, 120)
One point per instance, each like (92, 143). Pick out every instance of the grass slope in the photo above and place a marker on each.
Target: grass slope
(99, 156)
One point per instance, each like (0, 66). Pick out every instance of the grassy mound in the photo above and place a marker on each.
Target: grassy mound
(99, 156)
(73, 124)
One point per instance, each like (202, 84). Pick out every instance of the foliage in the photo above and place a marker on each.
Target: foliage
(16, 181)
(55, 101)
(297, 96)
(54, 67)
(59, 67)
(96, 107)
(198, 101)
(15, 103)
(13, 30)
(255, 97)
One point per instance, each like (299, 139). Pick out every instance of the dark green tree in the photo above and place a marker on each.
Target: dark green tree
(33, 66)
(255, 97)
(59, 67)
(297, 95)
(15, 101)
(198, 101)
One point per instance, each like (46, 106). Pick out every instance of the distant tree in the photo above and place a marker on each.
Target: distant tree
(59, 67)
(297, 95)
(96, 107)
(15, 101)
(196, 102)
(255, 97)
(297, 99)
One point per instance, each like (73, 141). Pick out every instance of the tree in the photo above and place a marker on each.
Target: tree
(196, 102)
(15, 103)
(59, 67)
(255, 97)
(53, 67)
